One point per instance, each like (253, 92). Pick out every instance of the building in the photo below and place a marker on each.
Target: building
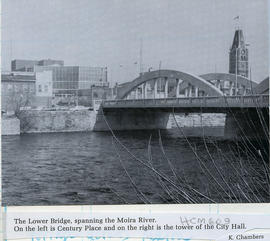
(238, 68)
(23, 65)
(47, 62)
(67, 80)
(238, 63)
(73, 82)
(44, 89)
(18, 90)
(70, 84)
(26, 90)
(28, 65)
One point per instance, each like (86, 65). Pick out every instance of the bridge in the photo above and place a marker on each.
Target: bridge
(172, 83)
(193, 104)
(147, 101)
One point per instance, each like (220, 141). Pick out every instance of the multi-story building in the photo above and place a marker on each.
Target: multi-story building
(47, 62)
(76, 81)
(70, 82)
(18, 90)
(26, 89)
(23, 65)
(44, 89)
(28, 65)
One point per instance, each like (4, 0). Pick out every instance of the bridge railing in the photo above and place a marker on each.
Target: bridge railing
(205, 101)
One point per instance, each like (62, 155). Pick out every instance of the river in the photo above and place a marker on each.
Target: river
(88, 168)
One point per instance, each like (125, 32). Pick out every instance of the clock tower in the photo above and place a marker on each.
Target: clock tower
(239, 55)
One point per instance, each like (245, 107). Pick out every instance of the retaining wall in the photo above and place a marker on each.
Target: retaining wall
(10, 126)
(38, 121)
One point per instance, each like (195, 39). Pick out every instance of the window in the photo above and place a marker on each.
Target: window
(46, 88)
(9, 87)
(25, 87)
(39, 88)
(32, 88)
(17, 87)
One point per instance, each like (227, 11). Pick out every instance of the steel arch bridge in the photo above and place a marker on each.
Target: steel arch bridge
(171, 83)
(147, 101)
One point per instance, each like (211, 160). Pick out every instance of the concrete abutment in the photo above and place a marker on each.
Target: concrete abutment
(251, 122)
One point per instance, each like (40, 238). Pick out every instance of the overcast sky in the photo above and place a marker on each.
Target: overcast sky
(186, 35)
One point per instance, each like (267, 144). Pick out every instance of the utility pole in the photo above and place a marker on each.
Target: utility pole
(250, 77)
(77, 97)
(11, 52)
(236, 71)
(159, 79)
(236, 54)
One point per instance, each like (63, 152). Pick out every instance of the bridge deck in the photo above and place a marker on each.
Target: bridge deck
(249, 101)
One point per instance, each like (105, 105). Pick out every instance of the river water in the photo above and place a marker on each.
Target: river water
(89, 168)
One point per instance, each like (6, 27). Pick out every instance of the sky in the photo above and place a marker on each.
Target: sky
(187, 35)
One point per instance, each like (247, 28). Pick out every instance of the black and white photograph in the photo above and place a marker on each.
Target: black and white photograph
(134, 102)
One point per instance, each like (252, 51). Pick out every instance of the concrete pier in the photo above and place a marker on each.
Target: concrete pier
(251, 122)
(133, 119)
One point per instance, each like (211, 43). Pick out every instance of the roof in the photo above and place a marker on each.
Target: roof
(262, 87)
(238, 40)
(17, 78)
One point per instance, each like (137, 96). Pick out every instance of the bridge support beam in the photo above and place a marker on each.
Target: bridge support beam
(196, 91)
(231, 88)
(244, 90)
(186, 92)
(144, 90)
(189, 90)
(177, 88)
(218, 84)
(136, 93)
(166, 88)
(155, 88)
(131, 119)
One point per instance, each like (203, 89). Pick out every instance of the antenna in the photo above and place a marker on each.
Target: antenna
(11, 51)
(237, 19)
(141, 56)
(159, 66)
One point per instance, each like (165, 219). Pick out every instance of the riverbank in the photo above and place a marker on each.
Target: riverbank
(47, 121)
(10, 125)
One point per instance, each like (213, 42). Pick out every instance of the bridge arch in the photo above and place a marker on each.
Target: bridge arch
(244, 84)
(262, 87)
(199, 82)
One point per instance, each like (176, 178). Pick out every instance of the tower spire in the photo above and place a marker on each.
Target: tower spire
(238, 62)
